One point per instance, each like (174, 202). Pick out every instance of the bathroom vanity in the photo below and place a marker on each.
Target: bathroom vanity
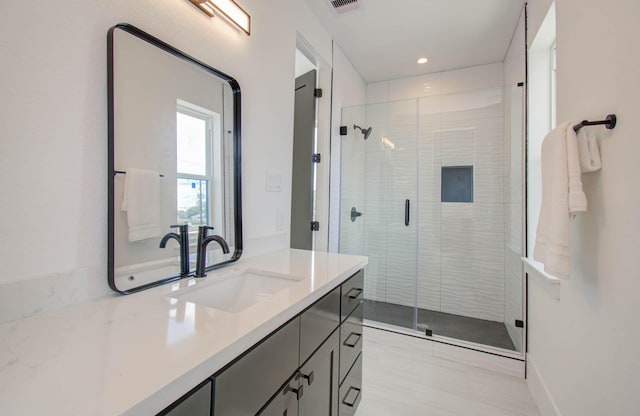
(311, 365)
(228, 342)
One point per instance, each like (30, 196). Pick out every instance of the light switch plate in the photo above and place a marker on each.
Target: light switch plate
(274, 182)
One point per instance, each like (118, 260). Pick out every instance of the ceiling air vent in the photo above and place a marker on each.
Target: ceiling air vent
(344, 6)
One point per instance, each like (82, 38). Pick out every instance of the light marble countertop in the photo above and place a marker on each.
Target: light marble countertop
(136, 354)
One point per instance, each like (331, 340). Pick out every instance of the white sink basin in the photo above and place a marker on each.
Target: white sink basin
(238, 292)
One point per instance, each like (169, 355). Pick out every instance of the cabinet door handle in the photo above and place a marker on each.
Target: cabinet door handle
(308, 377)
(354, 343)
(356, 293)
(346, 400)
(406, 212)
(298, 392)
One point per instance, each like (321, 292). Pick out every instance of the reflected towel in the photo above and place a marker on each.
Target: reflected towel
(562, 199)
(589, 151)
(141, 201)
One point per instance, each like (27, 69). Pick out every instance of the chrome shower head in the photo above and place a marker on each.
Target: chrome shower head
(366, 132)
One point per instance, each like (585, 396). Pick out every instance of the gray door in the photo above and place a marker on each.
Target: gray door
(302, 182)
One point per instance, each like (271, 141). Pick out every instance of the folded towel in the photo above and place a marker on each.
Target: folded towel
(562, 198)
(142, 203)
(589, 151)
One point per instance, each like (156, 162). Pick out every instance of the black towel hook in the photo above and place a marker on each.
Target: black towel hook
(609, 122)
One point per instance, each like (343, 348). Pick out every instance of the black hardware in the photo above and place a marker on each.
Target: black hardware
(203, 240)
(354, 343)
(299, 391)
(315, 226)
(609, 122)
(124, 172)
(428, 332)
(406, 212)
(520, 84)
(519, 323)
(355, 214)
(355, 295)
(343, 131)
(308, 377)
(183, 241)
(317, 92)
(351, 403)
(316, 158)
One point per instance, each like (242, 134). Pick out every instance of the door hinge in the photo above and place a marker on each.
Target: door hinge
(519, 323)
(316, 158)
(317, 92)
(315, 226)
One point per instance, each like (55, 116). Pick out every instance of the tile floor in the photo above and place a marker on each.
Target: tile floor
(445, 324)
(401, 377)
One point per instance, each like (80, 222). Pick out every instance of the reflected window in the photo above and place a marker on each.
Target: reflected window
(195, 133)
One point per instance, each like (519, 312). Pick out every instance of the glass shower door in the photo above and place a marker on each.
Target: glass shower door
(379, 180)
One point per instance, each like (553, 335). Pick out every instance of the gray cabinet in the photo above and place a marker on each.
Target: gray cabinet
(319, 379)
(245, 386)
(194, 403)
(350, 341)
(311, 366)
(318, 322)
(285, 402)
(352, 292)
(351, 389)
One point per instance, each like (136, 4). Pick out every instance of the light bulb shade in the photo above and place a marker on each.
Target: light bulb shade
(229, 9)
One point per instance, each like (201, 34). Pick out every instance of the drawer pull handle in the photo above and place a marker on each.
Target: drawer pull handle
(299, 391)
(354, 343)
(356, 293)
(351, 403)
(309, 377)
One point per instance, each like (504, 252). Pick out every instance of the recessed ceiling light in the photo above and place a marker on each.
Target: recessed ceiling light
(422, 60)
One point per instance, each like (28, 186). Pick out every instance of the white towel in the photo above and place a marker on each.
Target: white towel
(141, 201)
(562, 198)
(589, 151)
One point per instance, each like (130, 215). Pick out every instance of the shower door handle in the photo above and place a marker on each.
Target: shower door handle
(406, 212)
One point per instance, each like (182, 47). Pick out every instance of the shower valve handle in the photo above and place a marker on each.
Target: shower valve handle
(355, 214)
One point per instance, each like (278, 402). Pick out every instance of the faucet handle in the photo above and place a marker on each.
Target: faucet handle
(182, 227)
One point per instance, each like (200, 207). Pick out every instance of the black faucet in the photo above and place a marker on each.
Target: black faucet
(183, 240)
(203, 240)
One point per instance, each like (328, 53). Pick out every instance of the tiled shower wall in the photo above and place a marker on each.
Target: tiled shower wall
(453, 118)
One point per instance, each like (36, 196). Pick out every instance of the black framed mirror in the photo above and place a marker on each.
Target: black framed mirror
(174, 163)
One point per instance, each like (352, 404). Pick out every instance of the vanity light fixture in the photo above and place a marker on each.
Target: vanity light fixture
(422, 60)
(227, 8)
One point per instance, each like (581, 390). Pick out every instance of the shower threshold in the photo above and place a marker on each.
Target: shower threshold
(479, 331)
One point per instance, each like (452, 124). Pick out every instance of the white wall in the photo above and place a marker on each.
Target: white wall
(53, 152)
(583, 348)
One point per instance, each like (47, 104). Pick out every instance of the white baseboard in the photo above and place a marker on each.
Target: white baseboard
(539, 391)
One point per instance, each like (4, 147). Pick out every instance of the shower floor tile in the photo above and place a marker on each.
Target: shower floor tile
(444, 324)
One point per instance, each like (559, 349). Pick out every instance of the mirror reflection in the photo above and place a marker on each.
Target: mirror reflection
(175, 148)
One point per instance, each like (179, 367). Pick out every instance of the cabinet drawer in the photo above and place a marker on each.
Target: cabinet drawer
(245, 386)
(351, 390)
(194, 403)
(285, 402)
(350, 340)
(352, 294)
(318, 322)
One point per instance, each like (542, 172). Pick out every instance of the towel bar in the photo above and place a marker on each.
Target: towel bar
(124, 172)
(609, 122)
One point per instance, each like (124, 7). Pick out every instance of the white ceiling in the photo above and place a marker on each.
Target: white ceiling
(384, 38)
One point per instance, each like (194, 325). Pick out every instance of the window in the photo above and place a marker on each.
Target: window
(197, 132)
